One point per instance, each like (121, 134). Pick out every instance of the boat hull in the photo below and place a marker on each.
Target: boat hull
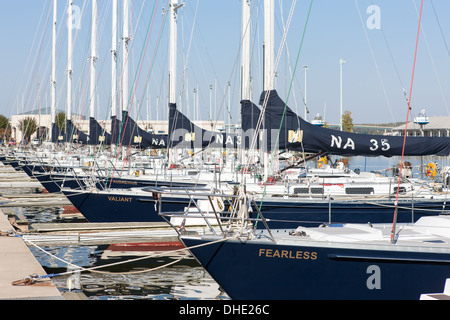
(270, 271)
(53, 182)
(122, 207)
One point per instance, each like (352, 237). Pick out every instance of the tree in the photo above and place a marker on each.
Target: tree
(28, 127)
(5, 128)
(347, 121)
(60, 120)
(4, 122)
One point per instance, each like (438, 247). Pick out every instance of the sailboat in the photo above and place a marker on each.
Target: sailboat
(280, 208)
(333, 261)
(132, 204)
(100, 205)
(126, 133)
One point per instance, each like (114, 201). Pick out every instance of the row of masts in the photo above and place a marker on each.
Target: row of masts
(245, 61)
(93, 58)
(172, 14)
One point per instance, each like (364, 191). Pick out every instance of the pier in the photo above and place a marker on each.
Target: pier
(16, 263)
(18, 266)
(84, 234)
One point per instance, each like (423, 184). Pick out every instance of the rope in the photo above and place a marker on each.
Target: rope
(289, 92)
(406, 127)
(32, 278)
(137, 76)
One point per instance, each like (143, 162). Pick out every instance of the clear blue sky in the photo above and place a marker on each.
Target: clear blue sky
(372, 83)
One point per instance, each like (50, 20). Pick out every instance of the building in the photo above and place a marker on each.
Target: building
(432, 127)
(43, 119)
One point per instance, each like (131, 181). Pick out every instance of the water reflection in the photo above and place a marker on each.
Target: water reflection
(143, 278)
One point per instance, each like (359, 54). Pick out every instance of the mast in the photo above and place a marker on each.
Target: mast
(245, 55)
(114, 60)
(125, 50)
(172, 62)
(93, 59)
(173, 51)
(268, 44)
(69, 61)
(53, 79)
(245, 62)
(268, 69)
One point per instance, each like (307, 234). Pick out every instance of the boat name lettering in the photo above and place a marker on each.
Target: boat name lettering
(338, 142)
(126, 182)
(384, 145)
(119, 199)
(287, 254)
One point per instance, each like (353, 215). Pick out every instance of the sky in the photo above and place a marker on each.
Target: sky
(376, 38)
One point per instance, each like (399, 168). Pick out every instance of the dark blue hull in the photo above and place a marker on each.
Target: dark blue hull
(54, 183)
(280, 213)
(116, 207)
(110, 207)
(286, 214)
(255, 271)
(13, 163)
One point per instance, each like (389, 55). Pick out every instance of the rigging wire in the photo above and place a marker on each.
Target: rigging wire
(375, 61)
(432, 62)
(136, 79)
(287, 98)
(29, 96)
(440, 28)
(33, 45)
(264, 104)
(406, 127)
(289, 62)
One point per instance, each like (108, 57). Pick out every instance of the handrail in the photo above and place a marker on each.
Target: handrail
(239, 212)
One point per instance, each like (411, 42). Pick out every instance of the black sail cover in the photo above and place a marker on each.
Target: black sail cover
(299, 135)
(130, 134)
(73, 134)
(183, 133)
(98, 135)
(56, 134)
(250, 114)
(116, 124)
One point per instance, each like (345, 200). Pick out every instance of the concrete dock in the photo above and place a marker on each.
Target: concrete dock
(11, 178)
(16, 263)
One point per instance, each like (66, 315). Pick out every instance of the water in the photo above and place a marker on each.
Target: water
(183, 280)
(384, 165)
(140, 280)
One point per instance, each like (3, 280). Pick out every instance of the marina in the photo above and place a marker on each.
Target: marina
(246, 199)
(119, 242)
(121, 257)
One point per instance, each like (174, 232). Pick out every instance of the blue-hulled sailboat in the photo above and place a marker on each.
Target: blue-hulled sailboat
(333, 261)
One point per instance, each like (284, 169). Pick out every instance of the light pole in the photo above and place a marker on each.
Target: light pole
(341, 62)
